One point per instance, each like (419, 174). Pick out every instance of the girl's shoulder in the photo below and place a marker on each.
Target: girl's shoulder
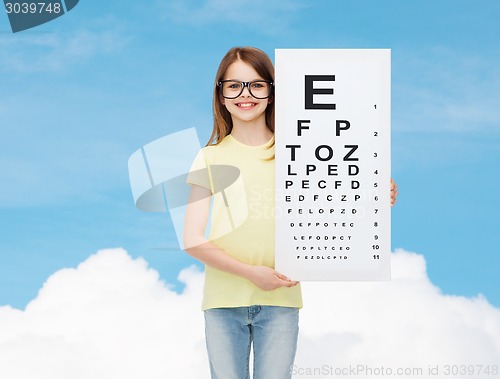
(209, 153)
(216, 148)
(209, 150)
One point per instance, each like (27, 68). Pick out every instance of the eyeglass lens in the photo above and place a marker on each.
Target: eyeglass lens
(231, 89)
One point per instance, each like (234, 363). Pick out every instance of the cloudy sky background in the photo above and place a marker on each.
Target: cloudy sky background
(79, 95)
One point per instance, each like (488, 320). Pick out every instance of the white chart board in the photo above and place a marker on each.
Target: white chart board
(333, 163)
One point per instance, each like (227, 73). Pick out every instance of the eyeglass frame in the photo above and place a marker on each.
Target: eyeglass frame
(245, 84)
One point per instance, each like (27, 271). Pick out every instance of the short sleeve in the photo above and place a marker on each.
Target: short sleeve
(199, 173)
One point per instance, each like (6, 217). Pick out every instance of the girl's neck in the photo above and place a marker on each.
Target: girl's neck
(253, 134)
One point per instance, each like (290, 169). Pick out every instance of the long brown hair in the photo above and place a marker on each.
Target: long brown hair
(223, 124)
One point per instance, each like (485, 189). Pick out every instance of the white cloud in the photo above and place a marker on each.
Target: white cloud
(258, 15)
(445, 90)
(404, 323)
(56, 51)
(112, 317)
(109, 318)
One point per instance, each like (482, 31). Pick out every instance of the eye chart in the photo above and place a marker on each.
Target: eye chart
(333, 164)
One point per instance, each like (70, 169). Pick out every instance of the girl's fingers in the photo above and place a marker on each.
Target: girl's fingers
(281, 276)
(394, 192)
(394, 186)
(289, 282)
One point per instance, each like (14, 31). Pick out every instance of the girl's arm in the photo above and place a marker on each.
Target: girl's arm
(196, 245)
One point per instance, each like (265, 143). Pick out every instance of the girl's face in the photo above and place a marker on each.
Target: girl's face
(245, 108)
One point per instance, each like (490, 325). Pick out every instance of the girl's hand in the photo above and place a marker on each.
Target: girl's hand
(394, 192)
(268, 279)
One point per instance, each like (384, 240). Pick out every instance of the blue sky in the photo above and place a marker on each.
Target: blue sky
(80, 94)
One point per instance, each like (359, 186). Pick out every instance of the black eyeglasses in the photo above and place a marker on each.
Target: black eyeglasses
(231, 89)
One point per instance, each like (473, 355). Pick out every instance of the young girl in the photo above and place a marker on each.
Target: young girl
(246, 301)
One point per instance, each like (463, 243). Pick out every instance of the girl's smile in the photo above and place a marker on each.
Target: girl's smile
(246, 105)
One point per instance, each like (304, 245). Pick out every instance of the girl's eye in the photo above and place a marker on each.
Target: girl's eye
(259, 85)
(232, 85)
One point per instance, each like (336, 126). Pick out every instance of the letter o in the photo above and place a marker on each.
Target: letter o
(318, 156)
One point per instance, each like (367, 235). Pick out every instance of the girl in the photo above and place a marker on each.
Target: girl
(246, 301)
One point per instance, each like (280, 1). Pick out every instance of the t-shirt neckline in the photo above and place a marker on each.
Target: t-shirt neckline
(264, 145)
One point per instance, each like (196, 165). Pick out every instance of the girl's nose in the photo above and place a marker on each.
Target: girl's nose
(247, 93)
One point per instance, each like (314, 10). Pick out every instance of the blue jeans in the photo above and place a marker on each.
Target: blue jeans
(230, 332)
